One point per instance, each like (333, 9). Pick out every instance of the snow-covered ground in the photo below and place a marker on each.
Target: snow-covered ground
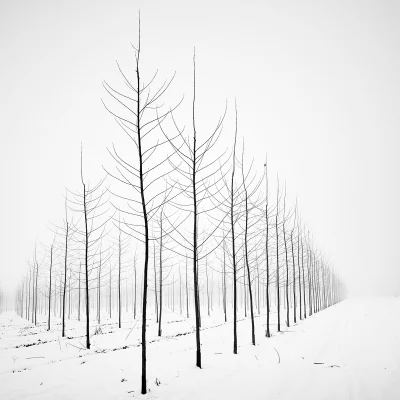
(349, 351)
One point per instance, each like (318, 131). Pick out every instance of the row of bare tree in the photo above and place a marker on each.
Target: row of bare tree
(174, 201)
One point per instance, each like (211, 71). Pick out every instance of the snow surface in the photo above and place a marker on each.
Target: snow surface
(349, 351)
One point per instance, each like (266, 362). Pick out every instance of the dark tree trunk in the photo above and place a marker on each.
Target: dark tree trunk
(27, 298)
(180, 290)
(287, 275)
(99, 292)
(69, 295)
(134, 308)
(298, 267)
(267, 332)
(195, 216)
(244, 288)
(233, 247)
(79, 292)
(155, 282)
(198, 292)
(109, 294)
(309, 281)
(161, 277)
(294, 279)
(208, 294)
(86, 268)
(65, 279)
(224, 286)
(187, 293)
(51, 267)
(246, 252)
(33, 294)
(278, 297)
(258, 290)
(304, 282)
(119, 278)
(36, 291)
(146, 225)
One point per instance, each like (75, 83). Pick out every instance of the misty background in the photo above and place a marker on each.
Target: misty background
(317, 87)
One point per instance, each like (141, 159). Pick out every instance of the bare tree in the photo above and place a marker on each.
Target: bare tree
(50, 272)
(91, 203)
(267, 332)
(284, 219)
(249, 190)
(67, 237)
(197, 190)
(139, 176)
(293, 268)
(277, 259)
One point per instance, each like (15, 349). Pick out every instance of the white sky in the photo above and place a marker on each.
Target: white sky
(317, 84)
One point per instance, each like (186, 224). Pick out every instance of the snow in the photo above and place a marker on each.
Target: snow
(348, 351)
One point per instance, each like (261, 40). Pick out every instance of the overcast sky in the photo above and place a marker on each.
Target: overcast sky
(317, 86)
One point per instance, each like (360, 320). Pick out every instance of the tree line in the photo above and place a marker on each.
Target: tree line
(176, 222)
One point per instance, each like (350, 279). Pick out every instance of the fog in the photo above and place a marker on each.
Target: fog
(317, 87)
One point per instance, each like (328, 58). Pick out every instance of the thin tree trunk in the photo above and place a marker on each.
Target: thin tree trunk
(287, 263)
(304, 282)
(298, 267)
(247, 265)
(161, 275)
(208, 295)
(253, 335)
(244, 287)
(33, 294)
(65, 279)
(87, 300)
(134, 308)
(69, 296)
(99, 292)
(180, 290)
(187, 293)
(212, 290)
(51, 267)
(146, 224)
(267, 332)
(195, 216)
(294, 279)
(155, 282)
(258, 289)
(109, 293)
(309, 281)
(36, 292)
(233, 246)
(119, 275)
(198, 293)
(79, 292)
(277, 262)
(224, 286)
(27, 298)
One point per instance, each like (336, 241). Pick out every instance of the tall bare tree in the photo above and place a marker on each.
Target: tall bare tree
(137, 174)
(92, 204)
(196, 188)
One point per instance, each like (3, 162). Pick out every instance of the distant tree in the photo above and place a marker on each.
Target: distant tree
(50, 283)
(250, 188)
(92, 204)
